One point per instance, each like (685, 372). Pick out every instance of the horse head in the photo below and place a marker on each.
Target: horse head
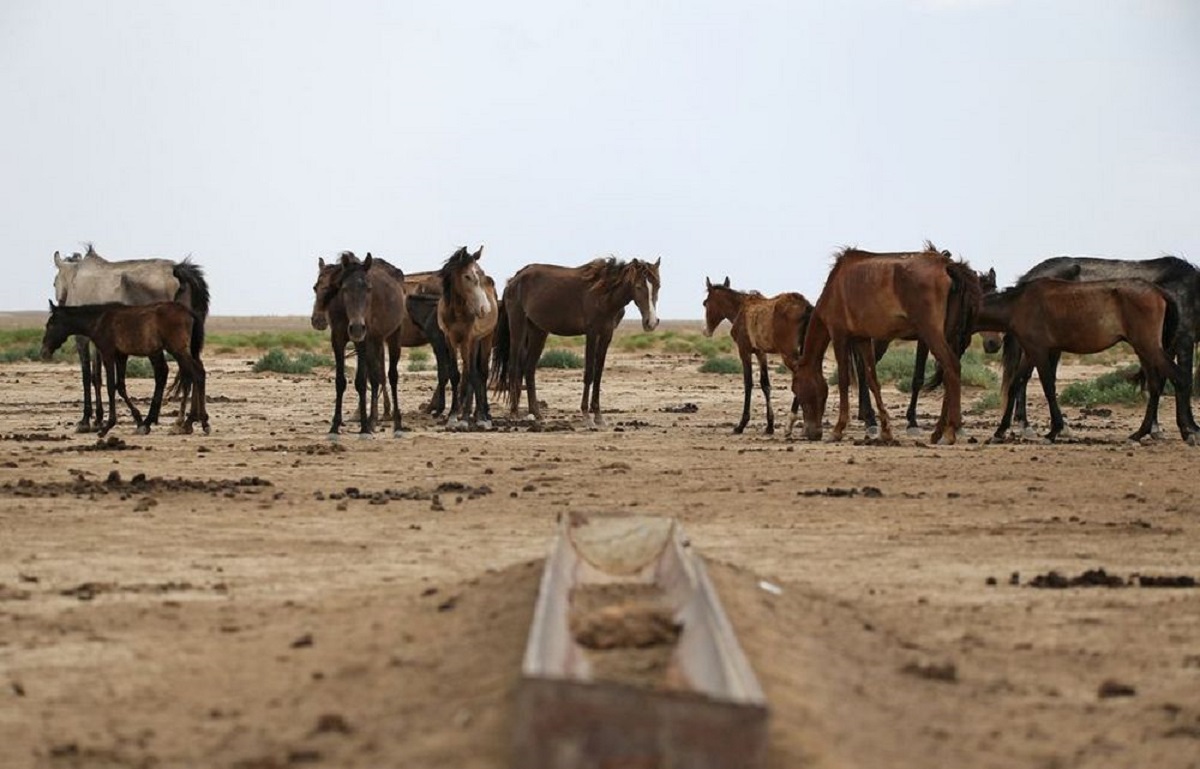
(462, 277)
(57, 331)
(645, 291)
(326, 287)
(355, 289)
(715, 310)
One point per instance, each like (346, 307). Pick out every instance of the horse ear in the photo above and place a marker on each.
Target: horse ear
(51, 305)
(368, 261)
(320, 262)
(726, 284)
(992, 274)
(476, 256)
(657, 262)
(707, 282)
(57, 260)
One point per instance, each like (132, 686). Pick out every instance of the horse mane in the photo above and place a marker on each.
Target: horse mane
(348, 257)
(456, 261)
(605, 274)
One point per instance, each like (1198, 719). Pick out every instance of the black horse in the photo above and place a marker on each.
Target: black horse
(422, 308)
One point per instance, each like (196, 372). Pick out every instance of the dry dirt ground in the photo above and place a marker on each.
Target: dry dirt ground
(261, 597)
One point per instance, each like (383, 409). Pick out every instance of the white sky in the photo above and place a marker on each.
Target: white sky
(747, 139)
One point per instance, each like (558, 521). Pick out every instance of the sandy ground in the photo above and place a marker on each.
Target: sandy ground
(264, 598)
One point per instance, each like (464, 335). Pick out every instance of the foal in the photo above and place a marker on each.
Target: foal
(119, 331)
(759, 326)
(467, 313)
(1046, 317)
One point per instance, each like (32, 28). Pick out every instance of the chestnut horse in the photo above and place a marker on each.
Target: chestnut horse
(759, 326)
(120, 330)
(879, 297)
(1045, 317)
(467, 313)
(543, 299)
(961, 342)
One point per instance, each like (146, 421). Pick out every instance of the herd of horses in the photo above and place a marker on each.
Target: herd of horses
(487, 340)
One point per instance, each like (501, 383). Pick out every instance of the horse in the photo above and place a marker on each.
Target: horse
(419, 328)
(870, 297)
(543, 299)
(467, 314)
(91, 279)
(987, 285)
(120, 330)
(759, 326)
(1178, 277)
(365, 305)
(1045, 317)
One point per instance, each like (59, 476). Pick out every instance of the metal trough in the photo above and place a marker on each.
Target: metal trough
(706, 710)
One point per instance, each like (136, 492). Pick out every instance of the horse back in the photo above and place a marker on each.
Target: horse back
(886, 296)
(556, 299)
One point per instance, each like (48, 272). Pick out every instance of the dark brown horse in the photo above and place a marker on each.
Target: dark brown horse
(759, 325)
(877, 297)
(467, 314)
(1045, 317)
(419, 328)
(543, 299)
(365, 305)
(119, 331)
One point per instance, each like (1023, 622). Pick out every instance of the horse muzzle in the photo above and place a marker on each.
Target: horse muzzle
(47, 353)
(320, 322)
(649, 325)
(357, 331)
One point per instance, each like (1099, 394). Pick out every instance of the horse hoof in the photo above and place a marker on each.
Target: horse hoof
(207, 430)
(1028, 434)
(913, 432)
(84, 427)
(1191, 439)
(484, 425)
(738, 430)
(333, 437)
(366, 436)
(872, 433)
(142, 430)
(397, 433)
(1068, 433)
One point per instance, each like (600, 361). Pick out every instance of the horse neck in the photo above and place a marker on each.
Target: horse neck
(816, 342)
(732, 302)
(995, 312)
(82, 320)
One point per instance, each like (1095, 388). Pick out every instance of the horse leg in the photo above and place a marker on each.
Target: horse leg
(842, 354)
(589, 368)
(111, 374)
(1154, 385)
(765, 384)
(394, 383)
(200, 394)
(865, 412)
(1012, 386)
(918, 383)
(601, 353)
(483, 414)
(950, 422)
(457, 418)
(747, 387)
(1047, 372)
(364, 371)
(339, 379)
(535, 342)
(139, 425)
(865, 350)
(85, 369)
(159, 362)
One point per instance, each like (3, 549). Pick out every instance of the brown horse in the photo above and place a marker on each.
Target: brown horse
(366, 306)
(467, 313)
(118, 331)
(876, 297)
(759, 326)
(1045, 317)
(543, 299)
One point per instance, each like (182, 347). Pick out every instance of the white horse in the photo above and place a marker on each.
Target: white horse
(91, 279)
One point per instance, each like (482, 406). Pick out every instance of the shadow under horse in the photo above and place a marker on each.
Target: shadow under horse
(588, 300)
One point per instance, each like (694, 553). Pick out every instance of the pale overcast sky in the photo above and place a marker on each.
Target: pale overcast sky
(747, 139)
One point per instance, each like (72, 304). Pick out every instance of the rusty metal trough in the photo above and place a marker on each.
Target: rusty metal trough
(709, 713)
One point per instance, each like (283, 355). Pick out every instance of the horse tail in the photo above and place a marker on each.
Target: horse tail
(962, 308)
(193, 286)
(501, 352)
(1171, 321)
(195, 346)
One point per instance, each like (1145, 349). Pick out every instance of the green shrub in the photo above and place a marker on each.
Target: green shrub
(560, 358)
(139, 368)
(280, 362)
(270, 340)
(1113, 387)
(989, 401)
(567, 341)
(635, 342)
(418, 360)
(721, 364)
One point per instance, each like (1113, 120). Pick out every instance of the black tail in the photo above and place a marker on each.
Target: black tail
(962, 307)
(193, 288)
(501, 352)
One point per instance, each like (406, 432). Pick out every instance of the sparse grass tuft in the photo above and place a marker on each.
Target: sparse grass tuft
(139, 368)
(270, 340)
(989, 401)
(560, 358)
(721, 364)
(1113, 387)
(280, 362)
(418, 360)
